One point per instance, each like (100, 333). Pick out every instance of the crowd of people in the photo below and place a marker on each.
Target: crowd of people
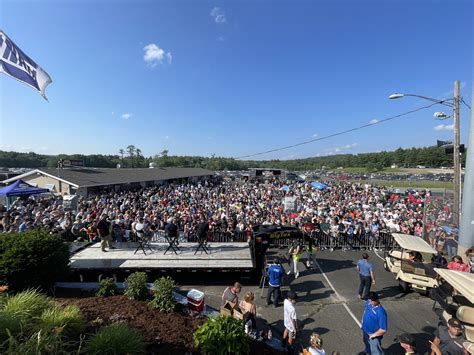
(230, 206)
(345, 209)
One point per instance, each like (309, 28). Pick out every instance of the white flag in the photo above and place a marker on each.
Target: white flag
(18, 65)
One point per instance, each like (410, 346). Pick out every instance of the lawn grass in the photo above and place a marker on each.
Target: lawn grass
(410, 184)
(363, 170)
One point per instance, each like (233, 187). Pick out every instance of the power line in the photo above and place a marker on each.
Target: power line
(465, 103)
(339, 133)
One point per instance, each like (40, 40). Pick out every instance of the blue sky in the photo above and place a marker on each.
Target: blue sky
(233, 78)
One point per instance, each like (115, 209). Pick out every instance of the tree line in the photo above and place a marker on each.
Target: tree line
(132, 157)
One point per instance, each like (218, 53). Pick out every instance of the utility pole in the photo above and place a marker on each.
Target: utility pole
(456, 158)
(466, 231)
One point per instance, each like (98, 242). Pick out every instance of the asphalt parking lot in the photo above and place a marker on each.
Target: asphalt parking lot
(329, 305)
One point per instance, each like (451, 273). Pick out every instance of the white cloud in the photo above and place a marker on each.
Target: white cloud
(218, 14)
(155, 55)
(314, 135)
(373, 121)
(332, 151)
(444, 127)
(126, 115)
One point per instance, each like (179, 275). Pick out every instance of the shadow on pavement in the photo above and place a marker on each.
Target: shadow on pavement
(306, 291)
(329, 265)
(391, 292)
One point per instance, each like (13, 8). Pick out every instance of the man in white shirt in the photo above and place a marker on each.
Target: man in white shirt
(289, 318)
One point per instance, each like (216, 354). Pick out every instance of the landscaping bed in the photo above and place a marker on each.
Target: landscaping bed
(163, 332)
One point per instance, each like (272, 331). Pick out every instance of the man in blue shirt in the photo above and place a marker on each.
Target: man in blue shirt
(366, 274)
(374, 325)
(275, 277)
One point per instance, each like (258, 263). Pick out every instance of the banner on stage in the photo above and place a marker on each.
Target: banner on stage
(16, 64)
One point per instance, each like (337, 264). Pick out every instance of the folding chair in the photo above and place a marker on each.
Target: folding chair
(143, 242)
(173, 244)
(202, 244)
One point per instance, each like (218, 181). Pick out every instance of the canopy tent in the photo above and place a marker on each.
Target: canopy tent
(285, 188)
(319, 185)
(21, 188)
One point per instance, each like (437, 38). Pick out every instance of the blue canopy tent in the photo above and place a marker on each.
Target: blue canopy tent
(20, 188)
(319, 185)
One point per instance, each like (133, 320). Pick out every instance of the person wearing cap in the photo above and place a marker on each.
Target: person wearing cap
(275, 279)
(448, 339)
(366, 275)
(289, 318)
(407, 342)
(374, 324)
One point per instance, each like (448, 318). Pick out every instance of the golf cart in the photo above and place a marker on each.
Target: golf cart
(418, 273)
(455, 294)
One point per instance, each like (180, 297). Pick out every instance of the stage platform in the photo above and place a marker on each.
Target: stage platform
(222, 257)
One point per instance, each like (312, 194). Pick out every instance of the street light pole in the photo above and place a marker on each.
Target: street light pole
(456, 157)
(466, 230)
(454, 103)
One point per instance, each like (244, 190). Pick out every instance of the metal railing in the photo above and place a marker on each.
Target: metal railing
(323, 240)
(320, 239)
(380, 240)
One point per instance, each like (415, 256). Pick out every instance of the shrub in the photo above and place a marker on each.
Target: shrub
(163, 298)
(222, 335)
(136, 286)
(21, 312)
(68, 320)
(9, 324)
(40, 343)
(26, 306)
(115, 339)
(34, 259)
(107, 288)
(3, 295)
